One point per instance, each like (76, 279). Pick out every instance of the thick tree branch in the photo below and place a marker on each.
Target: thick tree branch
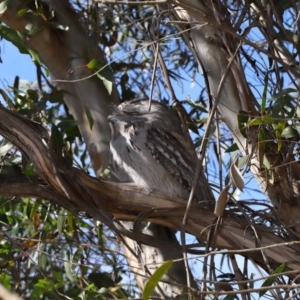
(126, 202)
(74, 188)
(66, 54)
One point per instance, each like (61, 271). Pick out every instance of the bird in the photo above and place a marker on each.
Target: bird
(150, 148)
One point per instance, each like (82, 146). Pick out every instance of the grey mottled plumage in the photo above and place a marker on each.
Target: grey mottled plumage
(150, 149)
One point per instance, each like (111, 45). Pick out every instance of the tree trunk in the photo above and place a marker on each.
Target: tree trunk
(227, 85)
(215, 42)
(55, 48)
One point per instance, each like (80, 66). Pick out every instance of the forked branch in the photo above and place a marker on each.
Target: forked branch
(75, 190)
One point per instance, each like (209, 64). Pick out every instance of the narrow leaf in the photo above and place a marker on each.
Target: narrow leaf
(283, 93)
(57, 140)
(255, 121)
(16, 39)
(290, 132)
(61, 220)
(269, 281)
(105, 73)
(155, 278)
(232, 148)
(68, 267)
(262, 139)
(243, 161)
(231, 297)
(266, 163)
(197, 106)
(107, 79)
(221, 203)
(95, 64)
(243, 118)
(100, 236)
(237, 177)
(3, 6)
(70, 221)
(90, 118)
(42, 258)
(35, 207)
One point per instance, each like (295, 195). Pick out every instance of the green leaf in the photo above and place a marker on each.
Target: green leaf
(35, 207)
(263, 120)
(70, 221)
(283, 93)
(266, 163)
(232, 148)
(262, 138)
(41, 288)
(61, 220)
(231, 297)
(56, 97)
(268, 119)
(100, 236)
(22, 12)
(5, 280)
(68, 266)
(107, 79)
(290, 132)
(255, 122)
(77, 257)
(196, 106)
(243, 161)
(3, 6)
(279, 106)
(251, 283)
(297, 127)
(103, 72)
(35, 56)
(269, 281)
(16, 39)
(67, 124)
(193, 127)
(101, 279)
(155, 278)
(243, 118)
(42, 258)
(95, 64)
(33, 95)
(103, 290)
(90, 118)
(279, 127)
(57, 140)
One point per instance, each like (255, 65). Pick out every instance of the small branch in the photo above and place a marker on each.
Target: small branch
(107, 201)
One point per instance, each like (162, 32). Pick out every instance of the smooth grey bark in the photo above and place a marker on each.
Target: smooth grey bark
(5, 294)
(75, 190)
(215, 42)
(214, 56)
(55, 48)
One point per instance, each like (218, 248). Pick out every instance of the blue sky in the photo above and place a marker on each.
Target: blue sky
(14, 64)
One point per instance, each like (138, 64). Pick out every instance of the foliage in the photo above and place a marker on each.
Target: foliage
(46, 252)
